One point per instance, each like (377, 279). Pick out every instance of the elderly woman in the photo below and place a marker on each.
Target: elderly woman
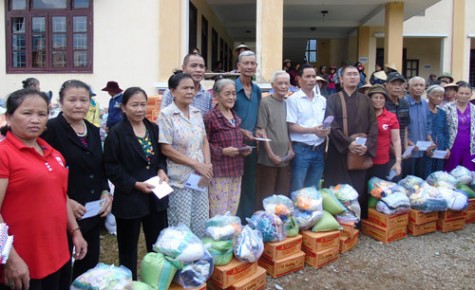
(33, 199)
(461, 120)
(183, 140)
(132, 156)
(388, 136)
(80, 143)
(440, 130)
(227, 150)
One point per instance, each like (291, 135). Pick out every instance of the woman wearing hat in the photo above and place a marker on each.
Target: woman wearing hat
(388, 136)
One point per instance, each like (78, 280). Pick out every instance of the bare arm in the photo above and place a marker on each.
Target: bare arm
(180, 158)
(396, 143)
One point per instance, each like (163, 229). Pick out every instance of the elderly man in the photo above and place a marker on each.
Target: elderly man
(194, 65)
(248, 98)
(305, 113)
(273, 169)
(419, 128)
(360, 119)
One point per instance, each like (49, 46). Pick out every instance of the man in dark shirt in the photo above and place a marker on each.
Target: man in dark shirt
(396, 104)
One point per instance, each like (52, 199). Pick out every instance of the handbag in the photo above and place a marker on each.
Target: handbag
(354, 161)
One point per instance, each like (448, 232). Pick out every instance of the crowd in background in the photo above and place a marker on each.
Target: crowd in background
(239, 151)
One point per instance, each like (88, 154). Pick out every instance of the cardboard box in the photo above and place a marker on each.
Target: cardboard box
(235, 271)
(471, 204)
(256, 281)
(451, 225)
(320, 241)
(470, 217)
(418, 218)
(348, 229)
(322, 258)
(450, 215)
(418, 230)
(278, 250)
(283, 266)
(176, 286)
(385, 235)
(388, 221)
(348, 243)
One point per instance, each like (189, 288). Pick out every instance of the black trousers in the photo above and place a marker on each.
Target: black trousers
(50, 282)
(128, 231)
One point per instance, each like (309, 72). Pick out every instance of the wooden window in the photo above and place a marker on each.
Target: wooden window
(411, 68)
(49, 36)
(311, 51)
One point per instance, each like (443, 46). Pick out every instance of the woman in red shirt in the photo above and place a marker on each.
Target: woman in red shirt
(227, 150)
(388, 136)
(33, 200)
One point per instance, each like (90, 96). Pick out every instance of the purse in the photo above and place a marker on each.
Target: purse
(354, 161)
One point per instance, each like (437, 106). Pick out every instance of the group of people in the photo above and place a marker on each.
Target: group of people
(239, 151)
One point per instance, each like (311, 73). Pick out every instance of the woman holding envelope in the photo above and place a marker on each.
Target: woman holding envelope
(227, 150)
(132, 156)
(80, 144)
(183, 140)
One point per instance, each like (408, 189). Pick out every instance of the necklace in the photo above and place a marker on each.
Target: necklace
(83, 134)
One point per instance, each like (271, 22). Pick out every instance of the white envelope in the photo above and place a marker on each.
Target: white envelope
(423, 145)
(439, 154)
(408, 152)
(161, 189)
(93, 208)
(193, 181)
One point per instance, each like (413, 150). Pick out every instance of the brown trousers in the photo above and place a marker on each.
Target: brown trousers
(271, 180)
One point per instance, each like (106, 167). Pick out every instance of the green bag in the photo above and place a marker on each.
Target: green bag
(372, 201)
(326, 223)
(141, 286)
(466, 189)
(221, 251)
(291, 227)
(330, 202)
(157, 271)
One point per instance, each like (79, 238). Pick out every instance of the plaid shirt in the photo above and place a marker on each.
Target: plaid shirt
(202, 100)
(221, 134)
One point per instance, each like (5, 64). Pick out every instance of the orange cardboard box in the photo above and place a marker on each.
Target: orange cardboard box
(418, 230)
(348, 243)
(385, 235)
(176, 286)
(471, 204)
(348, 229)
(235, 271)
(450, 215)
(256, 281)
(418, 218)
(470, 217)
(278, 250)
(283, 266)
(388, 221)
(451, 225)
(322, 258)
(320, 241)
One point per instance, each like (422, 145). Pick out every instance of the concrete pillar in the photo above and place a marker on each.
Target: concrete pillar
(393, 34)
(269, 38)
(460, 42)
(367, 48)
(173, 36)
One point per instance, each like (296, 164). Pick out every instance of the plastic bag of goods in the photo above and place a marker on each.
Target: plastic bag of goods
(291, 227)
(104, 277)
(331, 203)
(411, 183)
(426, 198)
(180, 244)
(223, 227)
(467, 189)
(462, 174)
(378, 187)
(456, 200)
(326, 223)
(347, 217)
(157, 271)
(307, 219)
(248, 246)
(307, 199)
(196, 273)
(441, 179)
(279, 205)
(221, 251)
(394, 204)
(270, 225)
(344, 192)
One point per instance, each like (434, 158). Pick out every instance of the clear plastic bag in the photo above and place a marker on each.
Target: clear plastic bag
(378, 187)
(344, 192)
(441, 179)
(221, 251)
(248, 246)
(279, 205)
(426, 198)
(456, 200)
(307, 199)
(462, 175)
(307, 219)
(270, 225)
(196, 273)
(223, 227)
(104, 277)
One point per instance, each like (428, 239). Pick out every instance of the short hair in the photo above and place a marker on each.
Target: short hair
(416, 78)
(73, 84)
(435, 89)
(175, 79)
(128, 93)
(346, 67)
(221, 83)
(246, 53)
(303, 67)
(30, 82)
(186, 59)
(279, 73)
